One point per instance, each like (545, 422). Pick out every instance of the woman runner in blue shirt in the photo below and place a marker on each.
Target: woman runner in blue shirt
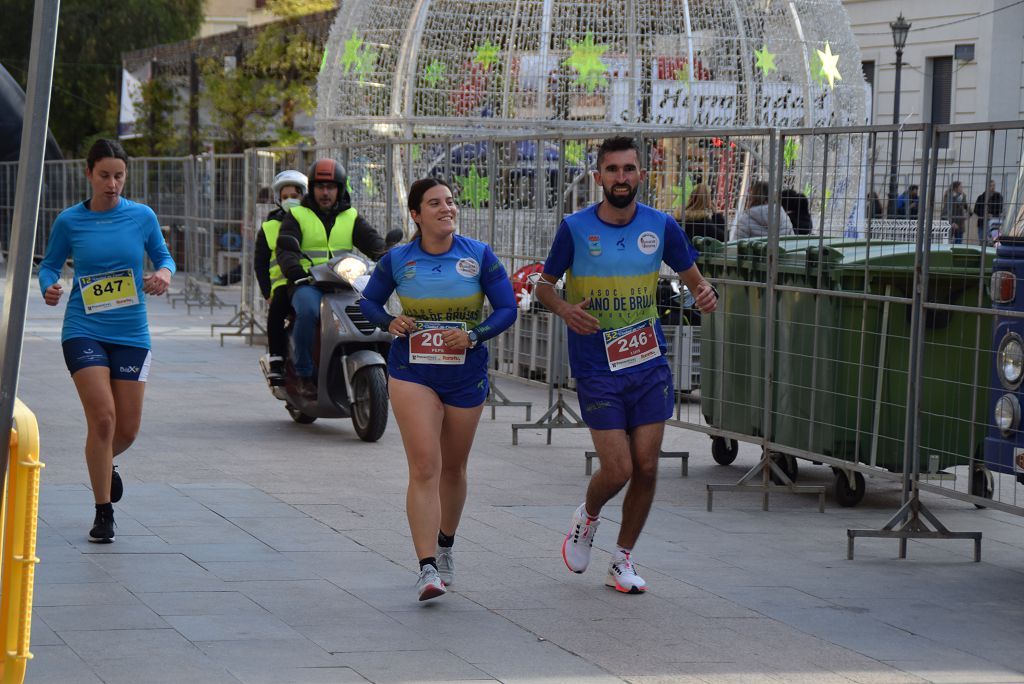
(106, 334)
(438, 364)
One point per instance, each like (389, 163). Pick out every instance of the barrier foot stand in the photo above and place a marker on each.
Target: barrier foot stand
(245, 325)
(190, 293)
(209, 300)
(496, 398)
(911, 522)
(683, 456)
(554, 419)
(764, 468)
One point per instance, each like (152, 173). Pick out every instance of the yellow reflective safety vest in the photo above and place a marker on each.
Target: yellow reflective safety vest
(315, 241)
(271, 229)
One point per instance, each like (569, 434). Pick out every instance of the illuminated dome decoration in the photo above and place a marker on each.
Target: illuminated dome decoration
(458, 68)
(438, 66)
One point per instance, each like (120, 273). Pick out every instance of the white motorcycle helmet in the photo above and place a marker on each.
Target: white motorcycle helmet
(289, 177)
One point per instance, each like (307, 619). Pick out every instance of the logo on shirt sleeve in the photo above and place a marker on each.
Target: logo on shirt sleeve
(468, 268)
(648, 242)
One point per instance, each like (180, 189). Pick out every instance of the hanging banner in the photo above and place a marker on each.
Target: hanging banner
(131, 101)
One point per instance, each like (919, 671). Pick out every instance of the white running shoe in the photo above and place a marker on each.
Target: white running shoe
(429, 585)
(622, 575)
(577, 544)
(446, 565)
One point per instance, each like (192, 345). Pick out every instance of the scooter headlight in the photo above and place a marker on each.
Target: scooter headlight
(1007, 414)
(350, 268)
(1010, 361)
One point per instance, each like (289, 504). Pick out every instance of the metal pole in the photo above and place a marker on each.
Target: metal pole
(894, 159)
(26, 211)
(914, 366)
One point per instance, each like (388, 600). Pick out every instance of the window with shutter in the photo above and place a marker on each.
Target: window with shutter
(942, 94)
(868, 67)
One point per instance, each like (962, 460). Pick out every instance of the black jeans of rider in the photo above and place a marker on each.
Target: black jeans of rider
(277, 314)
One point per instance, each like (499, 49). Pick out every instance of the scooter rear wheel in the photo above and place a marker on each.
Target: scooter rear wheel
(298, 416)
(370, 403)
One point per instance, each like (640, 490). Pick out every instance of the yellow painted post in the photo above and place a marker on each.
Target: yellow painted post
(19, 515)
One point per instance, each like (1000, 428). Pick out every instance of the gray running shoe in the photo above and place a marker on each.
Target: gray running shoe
(446, 565)
(429, 585)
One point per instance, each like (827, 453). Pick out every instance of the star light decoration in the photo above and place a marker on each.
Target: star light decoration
(829, 65)
(681, 193)
(475, 189)
(358, 58)
(586, 60)
(816, 72)
(575, 152)
(434, 73)
(369, 184)
(486, 55)
(791, 151)
(765, 61)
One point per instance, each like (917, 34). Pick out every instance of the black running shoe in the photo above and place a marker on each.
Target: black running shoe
(275, 376)
(102, 531)
(116, 487)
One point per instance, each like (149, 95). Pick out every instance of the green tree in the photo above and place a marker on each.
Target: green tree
(90, 39)
(290, 59)
(159, 134)
(241, 104)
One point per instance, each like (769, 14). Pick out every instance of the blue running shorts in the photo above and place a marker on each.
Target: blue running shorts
(462, 392)
(622, 401)
(124, 362)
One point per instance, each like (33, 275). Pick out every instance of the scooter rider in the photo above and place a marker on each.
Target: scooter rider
(288, 188)
(324, 223)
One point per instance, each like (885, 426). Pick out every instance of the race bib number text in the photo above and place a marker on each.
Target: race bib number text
(631, 345)
(108, 291)
(427, 346)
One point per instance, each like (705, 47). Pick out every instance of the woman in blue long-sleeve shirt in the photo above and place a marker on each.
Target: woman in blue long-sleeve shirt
(438, 364)
(106, 334)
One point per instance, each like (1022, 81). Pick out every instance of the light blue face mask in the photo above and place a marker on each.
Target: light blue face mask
(290, 204)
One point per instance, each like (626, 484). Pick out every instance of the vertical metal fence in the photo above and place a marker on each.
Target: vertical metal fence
(856, 327)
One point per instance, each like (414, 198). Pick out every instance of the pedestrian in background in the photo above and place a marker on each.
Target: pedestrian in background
(988, 206)
(955, 210)
(700, 217)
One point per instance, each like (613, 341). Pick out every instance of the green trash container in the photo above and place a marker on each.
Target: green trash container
(850, 402)
(732, 338)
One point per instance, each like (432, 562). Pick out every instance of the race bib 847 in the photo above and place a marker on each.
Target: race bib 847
(107, 291)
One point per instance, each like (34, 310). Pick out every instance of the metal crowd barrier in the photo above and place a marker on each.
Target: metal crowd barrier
(823, 341)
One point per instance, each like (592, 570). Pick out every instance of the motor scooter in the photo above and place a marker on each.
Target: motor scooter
(349, 352)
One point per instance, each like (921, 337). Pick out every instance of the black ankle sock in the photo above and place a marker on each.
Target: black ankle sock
(108, 507)
(445, 540)
(424, 562)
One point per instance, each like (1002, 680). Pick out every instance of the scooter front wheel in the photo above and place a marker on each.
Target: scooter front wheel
(298, 416)
(370, 403)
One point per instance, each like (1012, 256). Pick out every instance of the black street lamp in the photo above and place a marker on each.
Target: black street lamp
(900, 29)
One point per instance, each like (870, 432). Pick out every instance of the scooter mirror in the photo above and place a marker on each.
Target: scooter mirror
(393, 237)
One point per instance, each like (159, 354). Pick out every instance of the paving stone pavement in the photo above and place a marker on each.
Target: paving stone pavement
(252, 549)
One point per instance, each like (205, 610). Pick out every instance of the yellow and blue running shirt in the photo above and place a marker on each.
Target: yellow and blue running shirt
(442, 287)
(616, 267)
